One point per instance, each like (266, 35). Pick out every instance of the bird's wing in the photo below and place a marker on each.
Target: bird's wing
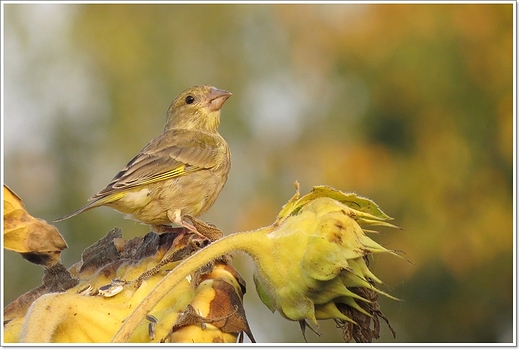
(173, 154)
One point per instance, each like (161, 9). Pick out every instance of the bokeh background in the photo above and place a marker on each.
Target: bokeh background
(410, 105)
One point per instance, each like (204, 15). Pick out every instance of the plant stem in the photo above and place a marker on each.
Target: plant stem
(252, 243)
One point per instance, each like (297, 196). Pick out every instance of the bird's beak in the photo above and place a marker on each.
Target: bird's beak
(216, 98)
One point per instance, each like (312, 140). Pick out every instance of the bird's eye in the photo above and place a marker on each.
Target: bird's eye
(190, 99)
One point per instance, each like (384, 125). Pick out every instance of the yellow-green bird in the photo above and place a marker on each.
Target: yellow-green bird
(178, 173)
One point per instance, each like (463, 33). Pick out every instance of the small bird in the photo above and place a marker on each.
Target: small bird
(179, 173)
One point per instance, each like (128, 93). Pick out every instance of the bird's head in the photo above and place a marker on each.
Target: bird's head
(197, 108)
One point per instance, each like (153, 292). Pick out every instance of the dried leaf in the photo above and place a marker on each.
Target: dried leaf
(37, 241)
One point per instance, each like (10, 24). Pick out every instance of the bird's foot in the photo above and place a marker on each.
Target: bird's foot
(197, 226)
(205, 229)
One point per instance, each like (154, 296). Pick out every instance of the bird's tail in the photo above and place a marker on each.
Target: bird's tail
(95, 201)
(79, 211)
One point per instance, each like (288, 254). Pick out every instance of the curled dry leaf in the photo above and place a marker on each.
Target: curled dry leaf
(37, 241)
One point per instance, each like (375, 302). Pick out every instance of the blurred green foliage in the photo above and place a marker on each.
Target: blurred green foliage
(408, 104)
